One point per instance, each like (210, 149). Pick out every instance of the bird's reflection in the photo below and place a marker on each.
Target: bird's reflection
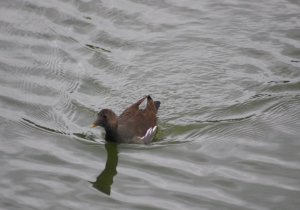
(105, 179)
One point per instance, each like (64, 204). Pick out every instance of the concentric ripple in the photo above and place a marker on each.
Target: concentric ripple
(226, 73)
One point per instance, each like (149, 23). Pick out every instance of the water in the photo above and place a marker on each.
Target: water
(228, 78)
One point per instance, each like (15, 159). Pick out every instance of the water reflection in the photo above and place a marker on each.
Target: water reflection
(105, 179)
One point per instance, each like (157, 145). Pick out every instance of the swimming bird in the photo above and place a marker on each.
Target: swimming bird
(134, 125)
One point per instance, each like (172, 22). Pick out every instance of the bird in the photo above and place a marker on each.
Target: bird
(134, 125)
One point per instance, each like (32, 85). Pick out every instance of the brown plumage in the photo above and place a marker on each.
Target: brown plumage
(134, 125)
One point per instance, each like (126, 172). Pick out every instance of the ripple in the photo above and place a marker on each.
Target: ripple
(227, 78)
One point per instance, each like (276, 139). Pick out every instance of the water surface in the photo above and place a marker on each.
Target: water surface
(228, 78)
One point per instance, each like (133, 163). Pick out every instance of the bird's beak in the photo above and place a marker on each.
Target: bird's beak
(93, 125)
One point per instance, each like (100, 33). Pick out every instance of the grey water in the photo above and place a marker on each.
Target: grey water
(227, 74)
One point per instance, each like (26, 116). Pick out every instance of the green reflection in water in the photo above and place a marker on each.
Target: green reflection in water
(105, 179)
(94, 48)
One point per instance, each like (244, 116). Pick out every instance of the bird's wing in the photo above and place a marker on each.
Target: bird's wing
(130, 112)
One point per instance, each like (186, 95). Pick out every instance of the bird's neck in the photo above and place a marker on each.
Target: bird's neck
(111, 133)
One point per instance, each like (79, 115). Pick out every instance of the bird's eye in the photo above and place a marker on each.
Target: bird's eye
(104, 116)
